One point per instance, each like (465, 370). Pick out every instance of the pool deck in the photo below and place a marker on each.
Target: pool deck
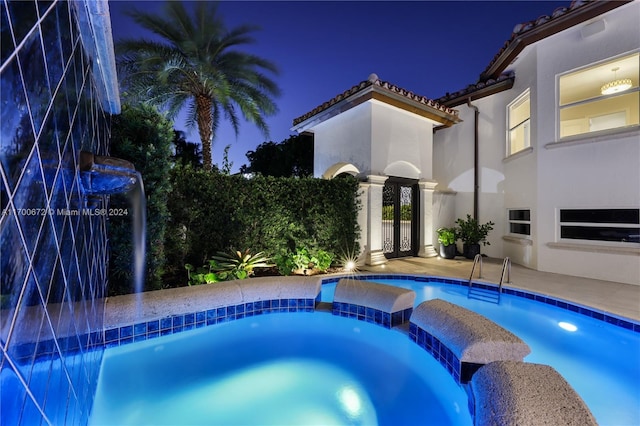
(612, 297)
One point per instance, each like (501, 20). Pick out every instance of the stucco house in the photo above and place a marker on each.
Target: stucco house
(546, 144)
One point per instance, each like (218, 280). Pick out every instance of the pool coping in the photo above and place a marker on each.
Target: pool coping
(120, 334)
(598, 314)
(125, 331)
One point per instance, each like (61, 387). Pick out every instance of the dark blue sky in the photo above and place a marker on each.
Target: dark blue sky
(323, 48)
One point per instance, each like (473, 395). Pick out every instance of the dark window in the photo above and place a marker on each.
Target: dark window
(520, 228)
(601, 233)
(600, 225)
(519, 215)
(630, 216)
(520, 221)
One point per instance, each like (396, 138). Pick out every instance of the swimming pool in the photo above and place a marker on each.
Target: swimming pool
(280, 369)
(599, 360)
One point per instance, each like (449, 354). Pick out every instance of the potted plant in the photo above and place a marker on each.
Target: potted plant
(472, 234)
(447, 238)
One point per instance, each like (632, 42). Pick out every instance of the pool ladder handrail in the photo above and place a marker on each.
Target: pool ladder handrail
(476, 260)
(506, 268)
(506, 272)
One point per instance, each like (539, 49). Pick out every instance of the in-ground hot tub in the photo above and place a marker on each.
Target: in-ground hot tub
(281, 368)
(582, 343)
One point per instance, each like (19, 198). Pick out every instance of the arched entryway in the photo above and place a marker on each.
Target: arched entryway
(400, 217)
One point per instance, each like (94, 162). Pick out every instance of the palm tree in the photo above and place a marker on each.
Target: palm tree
(195, 66)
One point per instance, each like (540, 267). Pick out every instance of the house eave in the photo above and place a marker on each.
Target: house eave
(480, 93)
(376, 92)
(516, 45)
(336, 109)
(417, 108)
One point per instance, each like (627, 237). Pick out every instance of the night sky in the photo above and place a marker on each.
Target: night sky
(323, 48)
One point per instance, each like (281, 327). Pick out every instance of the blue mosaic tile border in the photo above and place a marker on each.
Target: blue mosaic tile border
(70, 345)
(562, 304)
(179, 323)
(437, 349)
(371, 315)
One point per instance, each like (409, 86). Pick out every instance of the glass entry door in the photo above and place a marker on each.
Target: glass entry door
(399, 217)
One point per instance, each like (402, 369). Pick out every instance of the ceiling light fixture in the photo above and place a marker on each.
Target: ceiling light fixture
(615, 86)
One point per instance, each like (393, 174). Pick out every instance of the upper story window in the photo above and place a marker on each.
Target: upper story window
(600, 97)
(519, 117)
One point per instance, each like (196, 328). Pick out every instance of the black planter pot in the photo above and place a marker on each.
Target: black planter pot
(448, 252)
(470, 250)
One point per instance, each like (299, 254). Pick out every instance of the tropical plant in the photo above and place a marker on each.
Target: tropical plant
(195, 66)
(323, 260)
(227, 266)
(303, 260)
(202, 275)
(238, 265)
(284, 262)
(447, 236)
(471, 232)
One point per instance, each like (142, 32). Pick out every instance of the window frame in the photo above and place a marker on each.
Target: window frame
(510, 221)
(526, 94)
(586, 101)
(595, 224)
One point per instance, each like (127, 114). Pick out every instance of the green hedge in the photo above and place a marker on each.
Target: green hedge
(212, 212)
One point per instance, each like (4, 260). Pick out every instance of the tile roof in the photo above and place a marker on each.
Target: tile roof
(380, 86)
(522, 28)
(527, 33)
(478, 90)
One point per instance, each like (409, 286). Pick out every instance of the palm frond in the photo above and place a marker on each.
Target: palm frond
(197, 58)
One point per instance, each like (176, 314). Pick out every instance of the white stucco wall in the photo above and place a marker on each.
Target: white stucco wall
(378, 139)
(599, 173)
(344, 138)
(520, 169)
(602, 172)
(454, 167)
(400, 139)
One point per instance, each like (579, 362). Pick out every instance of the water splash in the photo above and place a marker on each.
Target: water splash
(102, 175)
(138, 201)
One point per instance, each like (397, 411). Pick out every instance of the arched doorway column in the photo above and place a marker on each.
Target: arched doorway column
(371, 220)
(426, 234)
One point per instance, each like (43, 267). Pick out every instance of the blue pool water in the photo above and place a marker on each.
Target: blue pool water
(315, 368)
(600, 361)
(277, 369)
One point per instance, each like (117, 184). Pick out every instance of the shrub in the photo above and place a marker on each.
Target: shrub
(471, 232)
(302, 260)
(212, 212)
(202, 275)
